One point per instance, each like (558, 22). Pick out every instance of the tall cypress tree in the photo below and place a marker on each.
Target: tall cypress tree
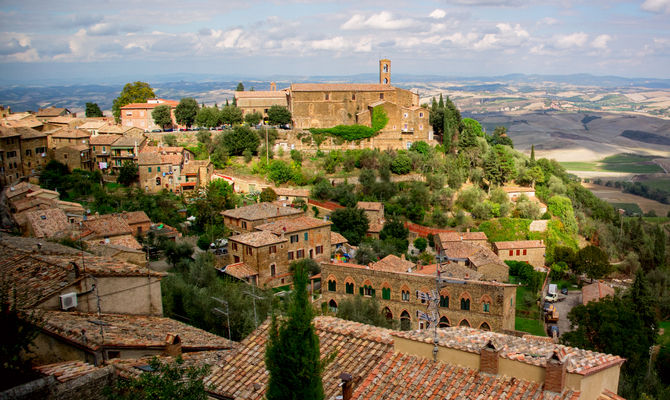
(292, 354)
(532, 153)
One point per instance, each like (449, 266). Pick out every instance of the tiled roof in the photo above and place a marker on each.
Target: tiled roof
(47, 223)
(8, 132)
(128, 141)
(484, 256)
(336, 238)
(392, 263)
(149, 158)
(101, 140)
(341, 87)
(67, 370)
(596, 291)
(106, 225)
(125, 330)
(135, 217)
(99, 266)
(50, 112)
(30, 122)
(375, 226)
(65, 119)
(291, 192)
(450, 270)
(70, 133)
(261, 94)
(129, 367)
(461, 236)
(609, 395)
(258, 238)
(260, 211)
(358, 348)
(529, 351)
(460, 249)
(127, 241)
(293, 225)
(240, 270)
(20, 188)
(92, 125)
(370, 205)
(403, 376)
(171, 103)
(164, 149)
(43, 193)
(111, 129)
(25, 132)
(193, 166)
(520, 244)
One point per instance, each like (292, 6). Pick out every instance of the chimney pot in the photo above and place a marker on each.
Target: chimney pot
(402, 256)
(172, 345)
(488, 358)
(555, 371)
(347, 386)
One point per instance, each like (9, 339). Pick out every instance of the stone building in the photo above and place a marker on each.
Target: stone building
(374, 210)
(530, 251)
(138, 115)
(34, 151)
(71, 147)
(398, 286)
(101, 151)
(10, 156)
(196, 173)
(126, 148)
(246, 219)
(260, 101)
(160, 170)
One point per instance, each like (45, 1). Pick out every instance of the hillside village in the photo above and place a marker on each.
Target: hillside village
(441, 261)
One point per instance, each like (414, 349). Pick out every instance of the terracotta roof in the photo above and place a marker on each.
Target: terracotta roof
(341, 87)
(404, 376)
(100, 266)
(258, 238)
(595, 292)
(135, 217)
(450, 270)
(50, 112)
(258, 211)
(130, 367)
(171, 103)
(64, 119)
(293, 225)
(164, 149)
(25, 132)
(128, 141)
(358, 348)
(127, 241)
(67, 370)
(375, 226)
(461, 236)
(125, 330)
(193, 166)
(8, 132)
(485, 256)
(149, 158)
(21, 123)
(70, 133)
(47, 223)
(460, 249)
(392, 263)
(370, 205)
(280, 94)
(239, 270)
(92, 125)
(609, 395)
(519, 244)
(20, 188)
(43, 193)
(102, 140)
(106, 225)
(336, 238)
(529, 351)
(111, 129)
(291, 192)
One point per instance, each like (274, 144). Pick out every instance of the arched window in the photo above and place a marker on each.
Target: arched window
(465, 304)
(486, 303)
(158, 181)
(332, 306)
(404, 292)
(405, 321)
(485, 326)
(444, 300)
(366, 289)
(349, 287)
(273, 270)
(387, 313)
(464, 323)
(444, 322)
(332, 285)
(386, 291)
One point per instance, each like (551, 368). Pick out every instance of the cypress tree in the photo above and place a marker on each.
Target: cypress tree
(440, 104)
(292, 354)
(532, 153)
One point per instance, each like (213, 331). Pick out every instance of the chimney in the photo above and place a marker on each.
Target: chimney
(172, 345)
(488, 358)
(347, 386)
(402, 256)
(554, 375)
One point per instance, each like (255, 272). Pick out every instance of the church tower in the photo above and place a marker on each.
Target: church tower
(385, 72)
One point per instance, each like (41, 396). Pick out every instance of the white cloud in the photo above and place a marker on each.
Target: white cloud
(382, 20)
(600, 42)
(230, 39)
(438, 13)
(337, 43)
(577, 39)
(657, 6)
(507, 36)
(548, 21)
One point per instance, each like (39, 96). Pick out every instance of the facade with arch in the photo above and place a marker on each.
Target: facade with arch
(488, 305)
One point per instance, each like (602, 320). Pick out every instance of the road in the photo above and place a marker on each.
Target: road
(573, 299)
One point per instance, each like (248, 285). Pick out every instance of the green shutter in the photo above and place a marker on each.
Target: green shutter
(361, 290)
(149, 169)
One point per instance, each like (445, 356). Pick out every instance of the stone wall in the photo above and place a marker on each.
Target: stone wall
(89, 387)
(533, 256)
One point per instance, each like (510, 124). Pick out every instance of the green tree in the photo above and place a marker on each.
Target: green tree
(168, 380)
(420, 147)
(240, 87)
(204, 137)
(231, 115)
(170, 140)
(401, 164)
(136, 92)
(208, 117)
(93, 110)
(420, 244)
(351, 222)
(532, 153)
(162, 116)
(268, 195)
(471, 131)
(363, 310)
(292, 355)
(593, 261)
(379, 118)
(186, 111)
(499, 136)
(278, 115)
(239, 139)
(279, 172)
(54, 175)
(296, 156)
(253, 118)
(128, 174)
(499, 166)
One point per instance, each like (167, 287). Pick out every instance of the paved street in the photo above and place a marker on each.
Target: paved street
(573, 299)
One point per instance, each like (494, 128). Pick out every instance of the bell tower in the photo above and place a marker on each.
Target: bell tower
(385, 72)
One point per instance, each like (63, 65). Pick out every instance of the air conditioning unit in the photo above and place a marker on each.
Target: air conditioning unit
(68, 300)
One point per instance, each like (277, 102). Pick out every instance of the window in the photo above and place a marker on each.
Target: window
(405, 115)
(306, 236)
(11, 154)
(465, 304)
(327, 96)
(353, 96)
(300, 253)
(104, 149)
(319, 249)
(386, 68)
(444, 301)
(420, 115)
(332, 306)
(332, 285)
(524, 252)
(249, 251)
(273, 270)
(405, 295)
(158, 181)
(486, 307)
(381, 96)
(129, 113)
(40, 150)
(386, 293)
(290, 255)
(113, 354)
(234, 246)
(273, 249)
(29, 152)
(294, 238)
(244, 224)
(149, 169)
(518, 252)
(367, 290)
(349, 288)
(511, 252)
(158, 169)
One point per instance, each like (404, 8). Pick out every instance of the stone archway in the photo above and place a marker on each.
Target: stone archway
(405, 321)
(464, 322)
(444, 322)
(485, 326)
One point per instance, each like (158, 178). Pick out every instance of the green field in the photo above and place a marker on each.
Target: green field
(624, 162)
(661, 184)
(532, 326)
(631, 208)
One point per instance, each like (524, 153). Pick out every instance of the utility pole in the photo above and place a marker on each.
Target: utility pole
(254, 297)
(226, 313)
(267, 147)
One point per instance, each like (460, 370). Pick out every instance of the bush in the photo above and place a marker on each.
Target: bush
(401, 165)
(279, 172)
(296, 156)
(347, 132)
(247, 155)
(203, 242)
(470, 197)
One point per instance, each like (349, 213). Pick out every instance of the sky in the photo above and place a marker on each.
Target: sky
(95, 41)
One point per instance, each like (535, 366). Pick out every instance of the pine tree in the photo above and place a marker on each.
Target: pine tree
(292, 355)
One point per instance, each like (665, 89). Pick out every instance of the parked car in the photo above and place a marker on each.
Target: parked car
(551, 297)
(546, 306)
(553, 329)
(564, 291)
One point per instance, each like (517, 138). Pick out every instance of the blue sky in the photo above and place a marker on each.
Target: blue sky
(88, 41)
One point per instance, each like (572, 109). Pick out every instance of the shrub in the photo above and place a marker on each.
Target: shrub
(279, 172)
(379, 118)
(401, 165)
(346, 132)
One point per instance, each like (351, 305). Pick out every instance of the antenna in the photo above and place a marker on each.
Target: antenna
(220, 311)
